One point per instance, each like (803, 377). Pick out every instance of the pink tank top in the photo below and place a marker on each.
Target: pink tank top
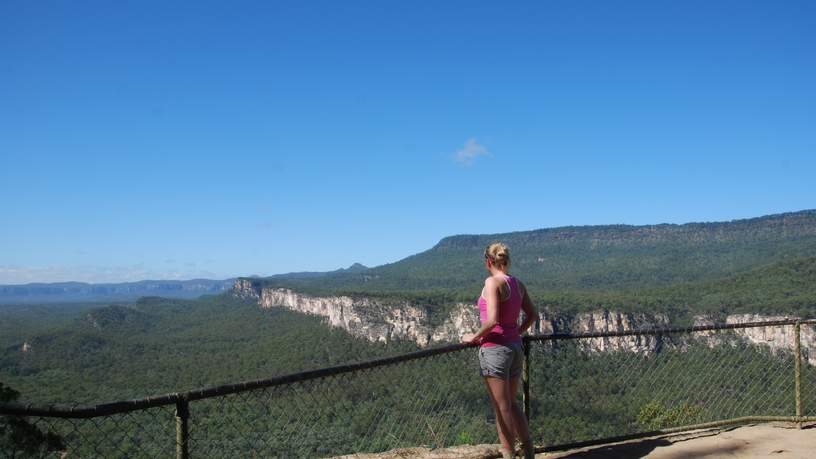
(506, 331)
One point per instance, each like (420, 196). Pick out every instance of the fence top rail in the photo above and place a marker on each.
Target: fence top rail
(124, 406)
(197, 394)
(666, 330)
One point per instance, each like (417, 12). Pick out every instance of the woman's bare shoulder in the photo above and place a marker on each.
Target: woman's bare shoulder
(495, 280)
(496, 283)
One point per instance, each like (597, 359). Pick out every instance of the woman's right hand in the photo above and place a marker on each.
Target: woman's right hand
(467, 338)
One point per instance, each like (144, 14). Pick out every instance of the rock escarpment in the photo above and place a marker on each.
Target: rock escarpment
(778, 338)
(378, 320)
(366, 317)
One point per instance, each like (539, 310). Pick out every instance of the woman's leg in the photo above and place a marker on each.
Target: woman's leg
(499, 390)
(520, 426)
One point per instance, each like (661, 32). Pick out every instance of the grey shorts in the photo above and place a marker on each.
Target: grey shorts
(501, 361)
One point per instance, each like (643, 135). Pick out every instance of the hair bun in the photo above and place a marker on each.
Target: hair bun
(499, 253)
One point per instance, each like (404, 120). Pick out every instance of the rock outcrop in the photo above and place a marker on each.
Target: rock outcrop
(378, 320)
(605, 322)
(777, 338)
(364, 317)
(372, 319)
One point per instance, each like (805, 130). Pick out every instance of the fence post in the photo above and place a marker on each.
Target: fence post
(525, 379)
(182, 415)
(798, 371)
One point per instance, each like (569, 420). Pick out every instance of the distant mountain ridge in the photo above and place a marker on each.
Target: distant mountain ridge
(586, 258)
(62, 292)
(354, 268)
(599, 258)
(760, 267)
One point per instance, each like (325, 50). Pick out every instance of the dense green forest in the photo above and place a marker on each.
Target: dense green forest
(157, 345)
(784, 287)
(160, 345)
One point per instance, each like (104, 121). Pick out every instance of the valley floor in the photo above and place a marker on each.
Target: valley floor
(749, 442)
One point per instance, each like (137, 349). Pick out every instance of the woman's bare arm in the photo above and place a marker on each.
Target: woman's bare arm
(492, 297)
(531, 316)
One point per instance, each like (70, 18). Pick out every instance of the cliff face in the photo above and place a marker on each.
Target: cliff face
(776, 338)
(361, 317)
(367, 318)
(382, 321)
(243, 288)
(607, 321)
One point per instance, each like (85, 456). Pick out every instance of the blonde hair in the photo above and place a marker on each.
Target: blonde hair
(498, 254)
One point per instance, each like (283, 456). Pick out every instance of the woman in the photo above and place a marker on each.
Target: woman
(500, 353)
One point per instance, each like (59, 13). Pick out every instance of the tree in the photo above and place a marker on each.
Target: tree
(19, 436)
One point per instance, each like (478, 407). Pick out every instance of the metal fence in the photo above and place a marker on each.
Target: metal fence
(577, 389)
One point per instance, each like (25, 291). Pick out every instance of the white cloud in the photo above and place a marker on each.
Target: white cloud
(472, 150)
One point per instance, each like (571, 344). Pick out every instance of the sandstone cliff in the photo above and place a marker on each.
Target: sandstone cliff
(365, 317)
(377, 320)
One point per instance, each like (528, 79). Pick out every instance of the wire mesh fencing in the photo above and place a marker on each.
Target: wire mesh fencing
(808, 368)
(425, 402)
(599, 387)
(141, 433)
(582, 388)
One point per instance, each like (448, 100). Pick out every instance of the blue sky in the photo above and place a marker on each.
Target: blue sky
(214, 139)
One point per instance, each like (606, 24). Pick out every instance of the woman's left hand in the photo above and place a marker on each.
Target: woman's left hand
(467, 338)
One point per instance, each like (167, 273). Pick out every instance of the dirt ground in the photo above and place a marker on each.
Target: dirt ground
(752, 441)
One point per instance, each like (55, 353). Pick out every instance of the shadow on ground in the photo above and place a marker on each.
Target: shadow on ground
(686, 446)
(644, 448)
(631, 450)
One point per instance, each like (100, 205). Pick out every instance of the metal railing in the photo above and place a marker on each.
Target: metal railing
(577, 390)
